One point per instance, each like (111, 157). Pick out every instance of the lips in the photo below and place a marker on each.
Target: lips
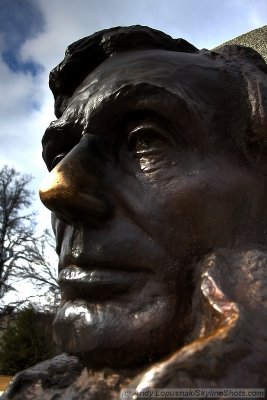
(94, 284)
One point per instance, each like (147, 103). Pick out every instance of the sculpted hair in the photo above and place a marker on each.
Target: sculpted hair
(83, 56)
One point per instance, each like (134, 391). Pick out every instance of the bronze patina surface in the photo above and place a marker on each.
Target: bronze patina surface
(157, 188)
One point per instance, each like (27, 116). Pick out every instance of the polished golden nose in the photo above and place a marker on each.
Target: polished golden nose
(57, 186)
(73, 192)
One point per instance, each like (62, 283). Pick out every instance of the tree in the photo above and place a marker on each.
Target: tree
(27, 341)
(22, 251)
(42, 273)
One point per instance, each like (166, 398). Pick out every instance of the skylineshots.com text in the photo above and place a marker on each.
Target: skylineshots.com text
(178, 393)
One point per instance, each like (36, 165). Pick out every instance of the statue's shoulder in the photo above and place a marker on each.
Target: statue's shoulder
(45, 379)
(64, 377)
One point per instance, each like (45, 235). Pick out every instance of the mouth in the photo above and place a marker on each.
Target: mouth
(97, 285)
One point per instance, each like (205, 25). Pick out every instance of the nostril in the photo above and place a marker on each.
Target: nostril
(94, 207)
(57, 159)
(81, 209)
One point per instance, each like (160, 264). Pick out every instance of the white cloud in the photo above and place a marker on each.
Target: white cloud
(205, 23)
(22, 126)
(258, 17)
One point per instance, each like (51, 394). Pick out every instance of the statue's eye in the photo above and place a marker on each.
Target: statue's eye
(146, 138)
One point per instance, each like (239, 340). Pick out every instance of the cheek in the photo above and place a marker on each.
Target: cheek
(190, 207)
(198, 211)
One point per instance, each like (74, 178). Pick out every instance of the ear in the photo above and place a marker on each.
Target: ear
(254, 70)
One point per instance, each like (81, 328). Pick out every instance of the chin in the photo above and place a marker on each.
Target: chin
(118, 334)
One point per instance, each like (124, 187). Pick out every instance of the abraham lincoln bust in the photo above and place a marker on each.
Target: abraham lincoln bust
(157, 188)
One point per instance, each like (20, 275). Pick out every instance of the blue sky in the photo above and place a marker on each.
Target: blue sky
(35, 33)
(20, 20)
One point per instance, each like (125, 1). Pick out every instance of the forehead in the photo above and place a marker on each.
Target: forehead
(190, 77)
(155, 66)
(191, 90)
(152, 79)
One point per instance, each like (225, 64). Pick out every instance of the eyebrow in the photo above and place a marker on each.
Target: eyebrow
(62, 135)
(134, 97)
(130, 90)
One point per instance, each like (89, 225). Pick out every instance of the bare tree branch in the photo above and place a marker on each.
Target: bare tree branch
(22, 252)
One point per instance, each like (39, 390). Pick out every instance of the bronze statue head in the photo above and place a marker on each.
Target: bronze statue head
(157, 159)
